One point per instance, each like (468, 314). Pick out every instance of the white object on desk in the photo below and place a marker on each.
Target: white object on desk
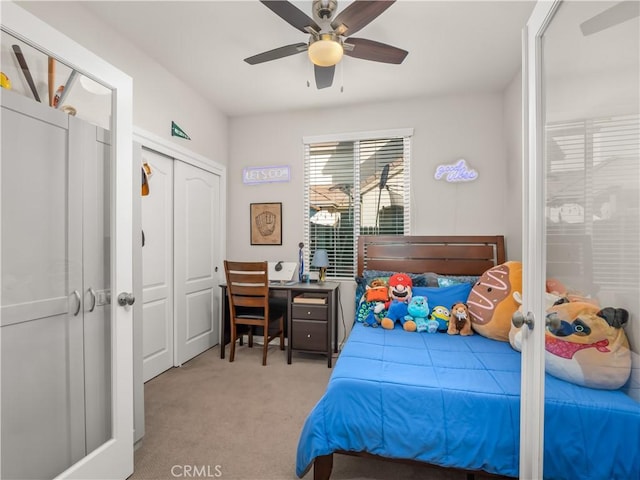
(284, 274)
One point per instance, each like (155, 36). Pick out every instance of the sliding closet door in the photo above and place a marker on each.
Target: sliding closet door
(196, 223)
(157, 266)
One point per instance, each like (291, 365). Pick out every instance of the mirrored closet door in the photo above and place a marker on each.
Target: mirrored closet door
(65, 193)
(582, 196)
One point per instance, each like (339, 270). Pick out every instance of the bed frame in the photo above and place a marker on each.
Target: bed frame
(445, 255)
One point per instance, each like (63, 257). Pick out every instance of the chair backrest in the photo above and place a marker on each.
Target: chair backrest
(248, 287)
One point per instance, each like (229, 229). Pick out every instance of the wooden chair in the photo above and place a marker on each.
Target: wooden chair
(248, 292)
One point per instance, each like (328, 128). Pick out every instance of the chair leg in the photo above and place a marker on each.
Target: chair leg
(234, 337)
(264, 350)
(250, 337)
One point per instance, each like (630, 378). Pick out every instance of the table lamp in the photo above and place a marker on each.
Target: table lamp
(321, 260)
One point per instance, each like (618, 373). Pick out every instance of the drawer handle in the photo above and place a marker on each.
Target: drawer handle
(308, 335)
(308, 313)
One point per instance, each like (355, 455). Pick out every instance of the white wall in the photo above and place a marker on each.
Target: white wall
(513, 142)
(159, 97)
(445, 130)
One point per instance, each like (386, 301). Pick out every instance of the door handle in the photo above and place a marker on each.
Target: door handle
(76, 294)
(126, 298)
(92, 292)
(519, 319)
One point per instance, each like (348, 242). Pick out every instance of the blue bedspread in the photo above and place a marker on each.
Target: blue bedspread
(454, 401)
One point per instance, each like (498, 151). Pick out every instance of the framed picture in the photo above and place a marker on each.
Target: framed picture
(266, 223)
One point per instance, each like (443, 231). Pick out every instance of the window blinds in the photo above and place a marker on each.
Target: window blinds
(354, 187)
(593, 200)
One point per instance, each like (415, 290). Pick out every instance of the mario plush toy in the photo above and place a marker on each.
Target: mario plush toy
(400, 286)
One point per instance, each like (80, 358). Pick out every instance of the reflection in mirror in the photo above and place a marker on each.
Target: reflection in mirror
(33, 74)
(591, 67)
(56, 217)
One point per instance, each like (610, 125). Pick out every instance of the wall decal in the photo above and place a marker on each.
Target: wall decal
(456, 172)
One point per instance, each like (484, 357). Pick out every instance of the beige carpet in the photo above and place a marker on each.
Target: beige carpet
(215, 419)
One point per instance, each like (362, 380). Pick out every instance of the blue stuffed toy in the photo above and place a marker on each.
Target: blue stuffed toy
(418, 311)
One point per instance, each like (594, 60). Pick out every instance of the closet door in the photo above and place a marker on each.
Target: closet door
(94, 151)
(583, 193)
(157, 267)
(46, 409)
(42, 329)
(196, 227)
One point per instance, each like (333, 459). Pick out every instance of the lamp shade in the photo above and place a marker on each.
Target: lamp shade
(320, 259)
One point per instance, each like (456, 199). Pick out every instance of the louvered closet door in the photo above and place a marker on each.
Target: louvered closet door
(196, 227)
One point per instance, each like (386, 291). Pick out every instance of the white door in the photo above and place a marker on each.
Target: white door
(582, 195)
(113, 457)
(157, 266)
(196, 227)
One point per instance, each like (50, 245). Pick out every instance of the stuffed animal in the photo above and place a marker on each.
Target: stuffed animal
(418, 311)
(588, 346)
(491, 303)
(440, 315)
(377, 291)
(400, 286)
(375, 315)
(459, 320)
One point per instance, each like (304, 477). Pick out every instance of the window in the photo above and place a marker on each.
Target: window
(593, 198)
(354, 185)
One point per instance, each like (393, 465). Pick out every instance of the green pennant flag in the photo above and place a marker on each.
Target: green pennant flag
(176, 131)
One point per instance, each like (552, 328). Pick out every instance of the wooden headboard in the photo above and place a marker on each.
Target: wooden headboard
(446, 255)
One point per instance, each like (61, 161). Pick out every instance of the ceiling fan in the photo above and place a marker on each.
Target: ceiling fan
(614, 15)
(330, 39)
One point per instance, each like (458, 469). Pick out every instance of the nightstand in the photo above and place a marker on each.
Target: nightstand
(312, 318)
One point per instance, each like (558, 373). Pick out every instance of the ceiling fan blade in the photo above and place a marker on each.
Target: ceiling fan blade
(620, 12)
(324, 76)
(291, 14)
(277, 53)
(358, 15)
(374, 51)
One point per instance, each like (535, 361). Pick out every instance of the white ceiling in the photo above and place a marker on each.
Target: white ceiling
(454, 47)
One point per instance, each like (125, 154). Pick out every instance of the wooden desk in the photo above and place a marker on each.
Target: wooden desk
(310, 327)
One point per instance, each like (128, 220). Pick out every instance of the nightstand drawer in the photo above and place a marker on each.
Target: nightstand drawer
(309, 335)
(309, 312)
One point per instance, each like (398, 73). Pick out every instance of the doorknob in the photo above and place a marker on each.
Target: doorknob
(553, 321)
(126, 299)
(519, 319)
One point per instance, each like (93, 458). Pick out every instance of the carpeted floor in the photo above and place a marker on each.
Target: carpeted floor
(215, 419)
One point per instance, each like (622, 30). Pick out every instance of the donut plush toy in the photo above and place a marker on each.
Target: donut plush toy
(491, 303)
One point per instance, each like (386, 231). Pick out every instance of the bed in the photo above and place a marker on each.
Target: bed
(454, 401)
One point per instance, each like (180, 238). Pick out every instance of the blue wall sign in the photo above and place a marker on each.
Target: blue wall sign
(456, 172)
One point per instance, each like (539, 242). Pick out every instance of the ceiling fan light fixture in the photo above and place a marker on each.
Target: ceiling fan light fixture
(326, 51)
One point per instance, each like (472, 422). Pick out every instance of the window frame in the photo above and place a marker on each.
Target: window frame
(406, 134)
